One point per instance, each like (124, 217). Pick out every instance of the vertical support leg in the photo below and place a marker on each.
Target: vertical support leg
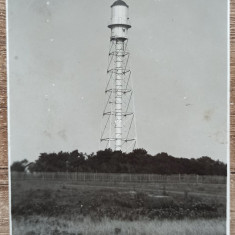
(118, 94)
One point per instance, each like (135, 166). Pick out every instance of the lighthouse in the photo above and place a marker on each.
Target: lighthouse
(119, 130)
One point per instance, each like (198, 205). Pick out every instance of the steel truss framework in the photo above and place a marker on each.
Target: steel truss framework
(118, 122)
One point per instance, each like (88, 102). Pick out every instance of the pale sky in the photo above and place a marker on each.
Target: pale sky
(58, 56)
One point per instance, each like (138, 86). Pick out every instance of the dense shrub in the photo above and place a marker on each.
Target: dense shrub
(137, 161)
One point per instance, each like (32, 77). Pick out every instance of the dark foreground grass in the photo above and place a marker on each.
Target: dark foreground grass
(43, 207)
(51, 199)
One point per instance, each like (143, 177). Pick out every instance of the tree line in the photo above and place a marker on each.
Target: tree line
(108, 161)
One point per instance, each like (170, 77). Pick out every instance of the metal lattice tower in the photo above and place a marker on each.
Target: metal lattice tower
(118, 123)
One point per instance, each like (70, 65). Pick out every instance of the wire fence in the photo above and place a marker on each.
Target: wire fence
(119, 177)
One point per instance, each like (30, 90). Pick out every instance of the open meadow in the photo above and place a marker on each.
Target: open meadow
(52, 206)
(35, 225)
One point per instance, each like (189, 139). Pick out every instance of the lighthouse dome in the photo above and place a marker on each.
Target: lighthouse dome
(119, 3)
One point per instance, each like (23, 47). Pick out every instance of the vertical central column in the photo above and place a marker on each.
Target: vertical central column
(118, 94)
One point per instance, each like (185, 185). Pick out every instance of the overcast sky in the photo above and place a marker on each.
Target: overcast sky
(58, 56)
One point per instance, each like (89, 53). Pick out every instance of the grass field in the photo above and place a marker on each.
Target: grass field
(36, 225)
(66, 207)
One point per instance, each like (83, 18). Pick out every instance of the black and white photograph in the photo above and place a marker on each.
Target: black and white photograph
(118, 117)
